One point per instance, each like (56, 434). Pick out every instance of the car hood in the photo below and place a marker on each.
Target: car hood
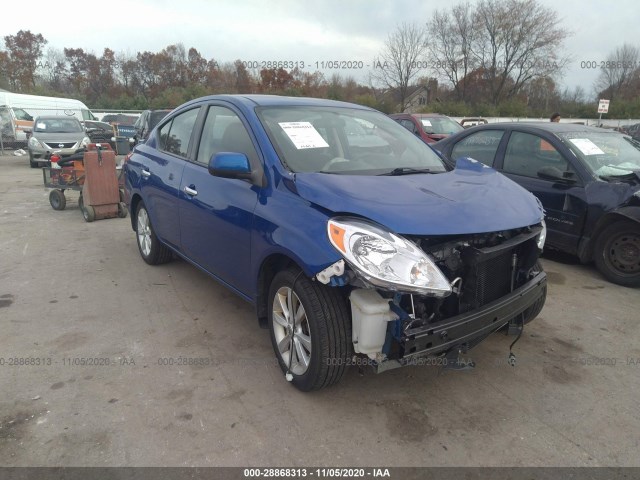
(470, 199)
(59, 137)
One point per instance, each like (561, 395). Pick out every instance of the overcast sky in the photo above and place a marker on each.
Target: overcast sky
(291, 30)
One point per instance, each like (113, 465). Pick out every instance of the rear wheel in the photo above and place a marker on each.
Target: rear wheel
(310, 330)
(152, 251)
(617, 253)
(57, 200)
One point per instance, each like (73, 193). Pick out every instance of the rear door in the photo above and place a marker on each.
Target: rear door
(564, 202)
(161, 172)
(216, 214)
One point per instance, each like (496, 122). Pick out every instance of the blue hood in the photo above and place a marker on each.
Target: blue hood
(470, 199)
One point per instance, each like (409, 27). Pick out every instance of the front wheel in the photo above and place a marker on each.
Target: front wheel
(88, 212)
(310, 330)
(33, 163)
(617, 253)
(152, 251)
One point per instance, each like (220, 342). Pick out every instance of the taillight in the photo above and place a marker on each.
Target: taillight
(55, 158)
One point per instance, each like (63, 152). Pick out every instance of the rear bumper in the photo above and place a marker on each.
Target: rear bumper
(471, 327)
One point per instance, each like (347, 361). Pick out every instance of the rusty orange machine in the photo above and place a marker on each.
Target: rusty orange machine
(94, 175)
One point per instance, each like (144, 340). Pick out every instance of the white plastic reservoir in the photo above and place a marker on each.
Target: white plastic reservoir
(370, 313)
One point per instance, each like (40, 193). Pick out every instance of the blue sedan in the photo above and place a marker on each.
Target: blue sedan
(353, 240)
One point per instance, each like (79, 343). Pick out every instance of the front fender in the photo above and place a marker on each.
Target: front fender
(585, 248)
(300, 235)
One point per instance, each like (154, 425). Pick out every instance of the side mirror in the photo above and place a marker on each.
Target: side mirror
(555, 175)
(234, 165)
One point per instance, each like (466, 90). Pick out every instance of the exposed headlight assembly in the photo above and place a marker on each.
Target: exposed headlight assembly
(34, 143)
(85, 141)
(542, 237)
(385, 259)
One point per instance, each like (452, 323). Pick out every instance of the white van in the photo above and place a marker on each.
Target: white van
(17, 112)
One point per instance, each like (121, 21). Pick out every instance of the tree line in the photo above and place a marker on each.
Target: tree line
(495, 58)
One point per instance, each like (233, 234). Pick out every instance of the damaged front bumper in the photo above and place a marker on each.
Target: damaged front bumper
(466, 330)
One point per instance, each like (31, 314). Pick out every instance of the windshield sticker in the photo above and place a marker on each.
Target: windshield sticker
(586, 146)
(41, 126)
(426, 123)
(303, 135)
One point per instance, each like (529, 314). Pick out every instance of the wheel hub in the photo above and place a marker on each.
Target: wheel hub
(291, 331)
(625, 253)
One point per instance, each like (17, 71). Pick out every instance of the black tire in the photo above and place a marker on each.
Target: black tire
(326, 323)
(122, 210)
(617, 253)
(57, 199)
(88, 212)
(154, 253)
(33, 163)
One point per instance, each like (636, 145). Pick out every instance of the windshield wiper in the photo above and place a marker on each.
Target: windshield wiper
(407, 171)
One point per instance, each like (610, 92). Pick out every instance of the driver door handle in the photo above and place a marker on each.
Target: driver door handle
(145, 173)
(190, 191)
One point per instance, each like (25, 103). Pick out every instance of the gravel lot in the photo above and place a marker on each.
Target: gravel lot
(72, 291)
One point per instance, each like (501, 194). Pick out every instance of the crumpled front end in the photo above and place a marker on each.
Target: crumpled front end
(493, 279)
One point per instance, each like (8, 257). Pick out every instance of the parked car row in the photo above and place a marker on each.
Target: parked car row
(348, 234)
(65, 135)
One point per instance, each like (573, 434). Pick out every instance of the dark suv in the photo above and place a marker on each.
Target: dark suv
(146, 122)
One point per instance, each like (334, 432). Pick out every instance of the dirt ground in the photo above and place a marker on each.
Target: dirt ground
(89, 332)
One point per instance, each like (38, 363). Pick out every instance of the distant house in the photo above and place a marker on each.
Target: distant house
(417, 98)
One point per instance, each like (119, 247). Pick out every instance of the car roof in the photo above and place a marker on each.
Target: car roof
(552, 127)
(55, 117)
(277, 100)
(419, 115)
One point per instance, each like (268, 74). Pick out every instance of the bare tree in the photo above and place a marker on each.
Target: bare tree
(401, 60)
(517, 41)
(450, 40)
(617, 71)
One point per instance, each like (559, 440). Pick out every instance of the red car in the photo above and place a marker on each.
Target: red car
(430, 127)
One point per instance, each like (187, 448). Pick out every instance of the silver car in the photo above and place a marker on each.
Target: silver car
(64, 135)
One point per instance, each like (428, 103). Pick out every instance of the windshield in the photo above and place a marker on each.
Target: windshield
(345, 141)
(606, 154)
(22, 115)
(440, 125)
(57, 125)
